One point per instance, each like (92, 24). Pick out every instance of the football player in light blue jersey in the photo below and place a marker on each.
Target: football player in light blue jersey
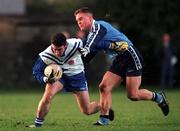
(63, 52)
(127, 63)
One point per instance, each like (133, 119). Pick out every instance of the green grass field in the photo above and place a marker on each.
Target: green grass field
(17, 109)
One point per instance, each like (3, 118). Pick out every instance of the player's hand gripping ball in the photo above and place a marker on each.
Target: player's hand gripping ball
(53, 72)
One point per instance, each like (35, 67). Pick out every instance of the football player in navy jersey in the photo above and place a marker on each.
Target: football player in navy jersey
(127, 63)
(63, 52)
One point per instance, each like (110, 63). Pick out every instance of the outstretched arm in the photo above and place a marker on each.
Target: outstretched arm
(94, 38)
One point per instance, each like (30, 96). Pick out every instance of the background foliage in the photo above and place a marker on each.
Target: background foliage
(144, 22)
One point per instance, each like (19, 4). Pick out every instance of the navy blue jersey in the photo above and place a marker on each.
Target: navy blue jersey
(102, 35)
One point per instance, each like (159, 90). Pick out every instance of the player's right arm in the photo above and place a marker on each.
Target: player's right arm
(38, 70)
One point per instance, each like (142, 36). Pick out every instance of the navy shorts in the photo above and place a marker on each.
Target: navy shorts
(128, 63)
(74, 83)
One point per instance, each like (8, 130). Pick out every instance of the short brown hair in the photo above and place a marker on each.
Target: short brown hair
(83, 10)
(58, 39)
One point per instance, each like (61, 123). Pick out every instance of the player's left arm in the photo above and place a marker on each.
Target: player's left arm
(94, 38)
(38, 70)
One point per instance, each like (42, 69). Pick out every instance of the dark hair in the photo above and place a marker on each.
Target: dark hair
(58, 39)
(83, 10)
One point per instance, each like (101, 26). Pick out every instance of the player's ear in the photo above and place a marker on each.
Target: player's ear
(90, 15)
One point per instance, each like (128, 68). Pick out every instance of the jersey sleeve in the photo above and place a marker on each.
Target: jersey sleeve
(86, 60)
(80, 43)
(38, 70)
(89, 56)
(95, 37)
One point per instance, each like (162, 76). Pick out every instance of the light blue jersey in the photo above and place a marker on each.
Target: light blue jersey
(102, 35)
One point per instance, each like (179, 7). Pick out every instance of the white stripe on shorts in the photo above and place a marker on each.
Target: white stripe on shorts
(135, 58)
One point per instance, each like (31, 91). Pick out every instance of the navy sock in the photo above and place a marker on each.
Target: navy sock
(38, 122)
(104, 116)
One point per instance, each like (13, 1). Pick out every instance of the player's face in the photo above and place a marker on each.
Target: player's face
(84, 21)
(58, 50)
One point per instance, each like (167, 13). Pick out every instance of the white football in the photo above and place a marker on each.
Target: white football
(54, 70)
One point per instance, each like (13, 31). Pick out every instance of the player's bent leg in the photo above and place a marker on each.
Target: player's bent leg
(84, 103)
(109, 81)
(135, 94)
(44, 104)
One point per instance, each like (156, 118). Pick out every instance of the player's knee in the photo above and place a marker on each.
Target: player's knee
(103, 88)
(132, 96)
(47, 99)
(86, 112)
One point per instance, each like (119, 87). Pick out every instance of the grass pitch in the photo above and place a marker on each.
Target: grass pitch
(17, 109)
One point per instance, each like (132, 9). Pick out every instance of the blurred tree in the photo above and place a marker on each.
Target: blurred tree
(39, 7)
(143, 22)
(55, 6)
